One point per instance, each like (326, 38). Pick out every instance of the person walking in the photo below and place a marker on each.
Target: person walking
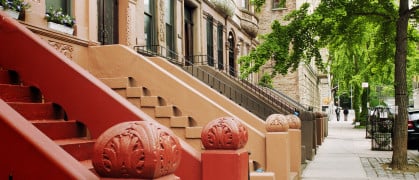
(337, 110)
(345, 114)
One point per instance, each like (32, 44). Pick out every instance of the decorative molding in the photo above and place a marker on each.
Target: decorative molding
(65, 49)
(59, 36)
(162, 23)
(130, 24)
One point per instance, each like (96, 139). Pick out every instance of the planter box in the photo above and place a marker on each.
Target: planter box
(12, 14)
(61, 28)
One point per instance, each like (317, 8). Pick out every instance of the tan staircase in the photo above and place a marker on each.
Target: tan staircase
(156, 107)
(48, 117)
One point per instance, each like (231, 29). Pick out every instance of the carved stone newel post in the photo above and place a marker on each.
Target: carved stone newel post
(137, 149)
(277, 146)
(224, 157)
(295, 143)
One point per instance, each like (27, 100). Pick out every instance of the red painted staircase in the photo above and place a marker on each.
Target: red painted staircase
(48, 117)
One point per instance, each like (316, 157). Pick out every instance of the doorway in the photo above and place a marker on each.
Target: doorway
(231, 60)
(108, 21)
(188, 36)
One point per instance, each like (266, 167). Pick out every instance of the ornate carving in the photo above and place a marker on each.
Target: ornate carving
(37, 1)
(65, 49)
(277, 123)
(136, 149)
(293, 121)
(224, 133)
(162, 23)
(130, 23)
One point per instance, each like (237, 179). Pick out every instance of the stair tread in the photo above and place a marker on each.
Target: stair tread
(52, 121)
(73, 141)
(16, 93)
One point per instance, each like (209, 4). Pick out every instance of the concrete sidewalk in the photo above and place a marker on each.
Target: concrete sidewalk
(347, 154)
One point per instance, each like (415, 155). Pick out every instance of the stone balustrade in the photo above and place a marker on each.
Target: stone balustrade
(249, 23)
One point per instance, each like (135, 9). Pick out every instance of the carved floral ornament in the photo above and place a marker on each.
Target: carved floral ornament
(224, 133)
(277, 123)
(137, 149)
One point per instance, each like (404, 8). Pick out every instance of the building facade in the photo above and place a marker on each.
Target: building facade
(303, 85)
(207, 32)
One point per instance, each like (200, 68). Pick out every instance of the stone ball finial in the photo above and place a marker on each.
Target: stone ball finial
(224, 133)
(318, 114)
(293, 121)
(136, 149)
(276, 123)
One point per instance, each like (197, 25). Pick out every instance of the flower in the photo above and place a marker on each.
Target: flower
(15, 5)
(58, 16)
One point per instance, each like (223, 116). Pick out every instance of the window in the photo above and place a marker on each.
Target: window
(63, 4)
(169, 18)
(245, 4)
(210, 42)
(149, 24)
(278, 4)
(220, 46)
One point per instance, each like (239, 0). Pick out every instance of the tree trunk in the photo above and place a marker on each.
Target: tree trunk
(399, 159)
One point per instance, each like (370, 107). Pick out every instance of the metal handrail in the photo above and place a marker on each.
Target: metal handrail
(157, 50)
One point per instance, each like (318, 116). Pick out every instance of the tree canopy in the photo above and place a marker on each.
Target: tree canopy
(368, 41)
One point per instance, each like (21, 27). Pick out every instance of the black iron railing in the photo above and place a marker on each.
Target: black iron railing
(230, 92)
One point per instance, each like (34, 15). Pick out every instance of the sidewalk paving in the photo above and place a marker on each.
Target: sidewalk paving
(347, 154)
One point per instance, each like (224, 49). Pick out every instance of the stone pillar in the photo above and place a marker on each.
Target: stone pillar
(295, 143)
(326, 124)
(307, 133)
(319, 130)
(224, 156)
(277, 146)
(137, 149)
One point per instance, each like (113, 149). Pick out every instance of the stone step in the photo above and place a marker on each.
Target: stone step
(38, 111)
(193, 132)
(18, 93)
(116, 83)
(164, 111)
(80, 148)
(149, 101)
(179, 121)
(135, 92)
(60, 129)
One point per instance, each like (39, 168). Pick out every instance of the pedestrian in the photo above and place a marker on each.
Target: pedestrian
(345, 114)
(337, 110)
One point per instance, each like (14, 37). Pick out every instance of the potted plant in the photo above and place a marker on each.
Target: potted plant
(60, 21)
(14, 8)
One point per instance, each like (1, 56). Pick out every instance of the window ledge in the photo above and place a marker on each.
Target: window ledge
(279, 9)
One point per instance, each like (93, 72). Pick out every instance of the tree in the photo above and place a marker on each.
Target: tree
(373, 33)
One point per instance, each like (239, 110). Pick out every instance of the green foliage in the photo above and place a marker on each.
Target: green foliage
(57, 16)
(15, 5)
(285, 45)
(266, 80)
(258, 4)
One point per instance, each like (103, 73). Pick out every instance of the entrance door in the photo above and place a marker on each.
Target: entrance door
(188, 36)
(231, 64)
(108, 21)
